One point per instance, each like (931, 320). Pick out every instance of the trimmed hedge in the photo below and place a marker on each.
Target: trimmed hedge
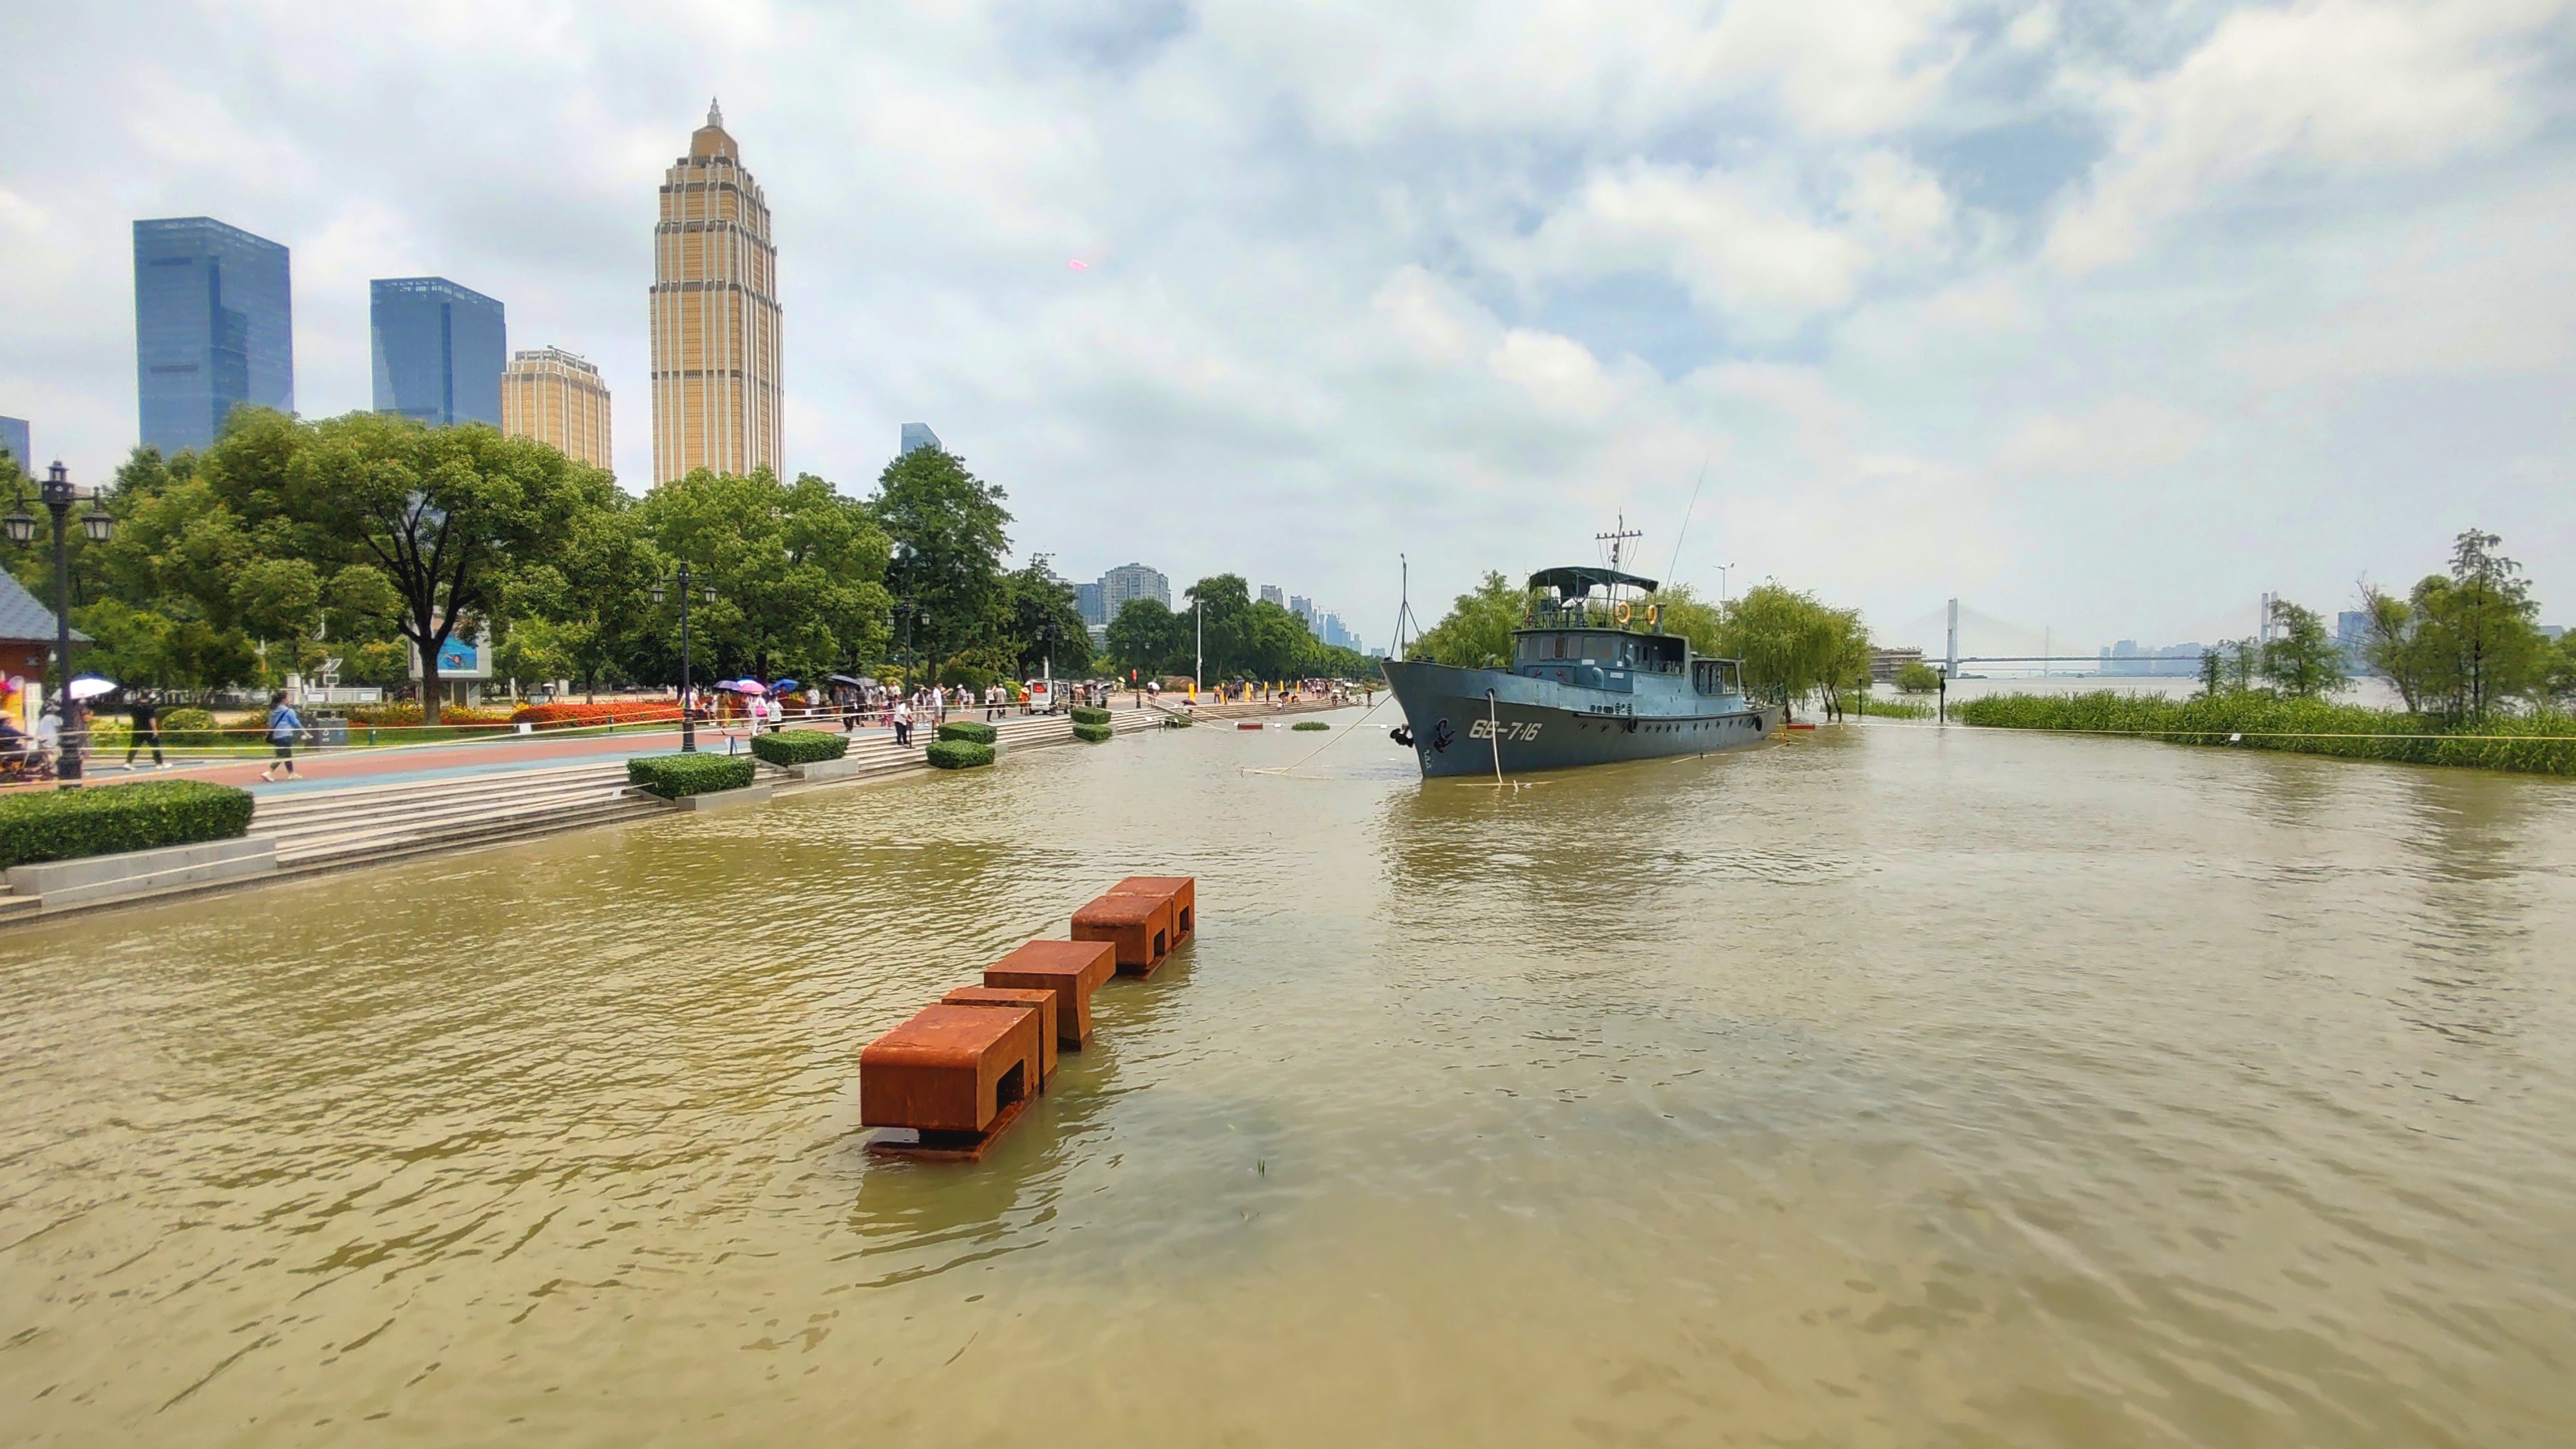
(1095, 733)
(38, 826)
(958, 754)
(973, 731)
(188, 727)
(672, 776)
(1177, 721)
(1310, 724)
(800, 747)
(1088, 714)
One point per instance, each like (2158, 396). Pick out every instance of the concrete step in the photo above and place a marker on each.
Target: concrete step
(387, 843)
(442, 807)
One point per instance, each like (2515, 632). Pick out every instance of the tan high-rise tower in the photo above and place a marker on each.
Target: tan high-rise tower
(557, 398)
(715, 315)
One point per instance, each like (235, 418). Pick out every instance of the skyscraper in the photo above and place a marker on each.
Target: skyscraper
(915, 436)
(438, 349)
(13, 441)
(1127, 583)
(556, 397)
(716, 400)
(1091, 601)
(214, 328)
(1273, 594)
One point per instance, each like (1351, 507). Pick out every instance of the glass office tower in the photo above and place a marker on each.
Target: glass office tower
(439, 350)
(213, 328)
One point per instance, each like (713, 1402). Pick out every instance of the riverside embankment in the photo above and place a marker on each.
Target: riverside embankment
(1898, 1085)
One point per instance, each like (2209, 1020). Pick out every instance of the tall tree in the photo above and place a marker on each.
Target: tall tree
(446, 516)
(949, 533)
(1477, 630)
(1222, 603)
(1045, 628)
(796, 567)
(2301, 659)
(1148, 639)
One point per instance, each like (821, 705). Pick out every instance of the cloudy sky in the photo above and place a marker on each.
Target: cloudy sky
(2103, 316)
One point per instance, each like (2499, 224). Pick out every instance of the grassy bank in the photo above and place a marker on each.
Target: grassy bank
(1862, 704)
(2537, 745)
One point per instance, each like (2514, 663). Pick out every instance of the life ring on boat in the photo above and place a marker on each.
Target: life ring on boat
(1621, 614)
(1654, 616)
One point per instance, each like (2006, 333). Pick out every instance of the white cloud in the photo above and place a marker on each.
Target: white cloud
(2323, 87)
(2120, 438)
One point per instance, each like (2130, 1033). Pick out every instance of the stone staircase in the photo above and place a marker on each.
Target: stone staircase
(320, 828)
(317, 829)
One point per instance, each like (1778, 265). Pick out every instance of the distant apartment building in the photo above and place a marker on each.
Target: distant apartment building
(1272, 594)
(1091, 601)
(13, 441)
(214, 328)
(1883, 663)
(717, 400)
(1127, 583)
(557, 398)
(439, 350)
(917, 436)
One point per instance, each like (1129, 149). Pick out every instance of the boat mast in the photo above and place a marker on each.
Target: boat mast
(1617, 536)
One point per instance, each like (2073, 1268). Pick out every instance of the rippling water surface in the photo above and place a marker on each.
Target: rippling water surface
(1886, 1088)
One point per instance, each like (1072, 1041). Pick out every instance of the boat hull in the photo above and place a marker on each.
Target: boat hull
(1529, 725)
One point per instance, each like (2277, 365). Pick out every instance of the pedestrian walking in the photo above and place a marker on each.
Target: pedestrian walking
(143, 712)
(903, 722)
(285, 727)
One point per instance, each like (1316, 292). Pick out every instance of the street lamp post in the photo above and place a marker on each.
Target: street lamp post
(688, 726)
(1721, 583)
(59, 495)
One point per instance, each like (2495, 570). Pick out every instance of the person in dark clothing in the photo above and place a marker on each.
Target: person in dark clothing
(144, 713)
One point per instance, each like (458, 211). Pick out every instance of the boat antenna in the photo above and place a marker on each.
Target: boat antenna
(1404, 606)
(1671, 570)
(1615, 538)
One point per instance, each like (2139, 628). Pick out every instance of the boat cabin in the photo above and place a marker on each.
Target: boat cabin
(1576, 639)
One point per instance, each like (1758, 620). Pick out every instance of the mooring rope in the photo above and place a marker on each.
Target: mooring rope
(1329, 742)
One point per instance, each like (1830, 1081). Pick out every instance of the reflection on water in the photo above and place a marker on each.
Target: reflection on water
(1883, 1087)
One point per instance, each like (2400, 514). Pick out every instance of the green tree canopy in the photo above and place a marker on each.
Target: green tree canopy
(948, 531)
(2302, 660)
(798, 572)
(1477, 630)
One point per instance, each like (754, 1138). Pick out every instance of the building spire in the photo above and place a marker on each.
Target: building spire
(715, 116)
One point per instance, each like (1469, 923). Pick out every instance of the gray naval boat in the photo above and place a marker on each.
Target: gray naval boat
(1593, 678)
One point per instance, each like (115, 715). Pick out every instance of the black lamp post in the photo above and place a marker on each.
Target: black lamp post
(59, 496)
(688, 726)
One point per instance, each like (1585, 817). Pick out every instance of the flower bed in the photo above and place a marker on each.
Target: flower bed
(409, 714)
(107, 820)
(608, 712)
(800, 747)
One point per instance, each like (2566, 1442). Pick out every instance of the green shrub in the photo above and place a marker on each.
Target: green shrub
(958, 754)
(192, 727)
(47, 825)
(800, 747)
(973, 731)
(1310, 724)
(1916, 677)
(672, 776)
(1094, 733)
(2543, 744)
(1087, 714)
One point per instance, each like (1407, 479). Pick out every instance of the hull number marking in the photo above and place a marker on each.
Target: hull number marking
(1483, 729)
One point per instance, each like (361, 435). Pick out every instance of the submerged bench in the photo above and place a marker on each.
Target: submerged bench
(1070, 969)
(955, 1077)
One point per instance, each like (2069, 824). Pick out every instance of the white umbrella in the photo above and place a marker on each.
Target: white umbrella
(90, 686)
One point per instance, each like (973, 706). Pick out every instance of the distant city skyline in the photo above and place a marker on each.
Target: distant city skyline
(916, 436)
(438, 349)
(17, 438)
(214, 328)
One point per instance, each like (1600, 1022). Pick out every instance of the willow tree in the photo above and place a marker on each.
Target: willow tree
(1792, 642)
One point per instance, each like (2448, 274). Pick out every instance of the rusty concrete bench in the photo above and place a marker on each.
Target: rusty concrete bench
(1018, 998)
(1139, 927)
(1181, 890)
(956, 1077)
(1070, 969)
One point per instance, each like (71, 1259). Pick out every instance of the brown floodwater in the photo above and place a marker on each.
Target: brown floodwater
(1889, 1087)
